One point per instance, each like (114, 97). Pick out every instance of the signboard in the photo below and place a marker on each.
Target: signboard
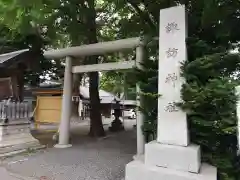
(75, 98)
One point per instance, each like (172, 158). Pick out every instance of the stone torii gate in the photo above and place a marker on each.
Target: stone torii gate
(100, 48)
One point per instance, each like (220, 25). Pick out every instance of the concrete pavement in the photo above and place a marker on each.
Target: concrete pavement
(5, 175)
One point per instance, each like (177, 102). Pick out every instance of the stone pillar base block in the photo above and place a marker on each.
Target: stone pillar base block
(62, 146)
(15, 137)
(137, 170)
(175, 157)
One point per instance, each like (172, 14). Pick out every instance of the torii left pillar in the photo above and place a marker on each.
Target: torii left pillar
(64, 130)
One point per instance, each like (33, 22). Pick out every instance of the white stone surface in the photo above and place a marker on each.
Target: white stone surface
(238, 113)
(62, 146)
(64, 130)
(139, 101)
(172, 123)
(137, 170)
(175, 157)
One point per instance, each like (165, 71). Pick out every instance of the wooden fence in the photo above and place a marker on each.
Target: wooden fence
(15, 110)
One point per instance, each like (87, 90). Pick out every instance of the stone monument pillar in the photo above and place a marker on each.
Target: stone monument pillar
(172, 156)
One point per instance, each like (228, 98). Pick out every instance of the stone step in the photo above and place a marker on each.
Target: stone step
(19, 148)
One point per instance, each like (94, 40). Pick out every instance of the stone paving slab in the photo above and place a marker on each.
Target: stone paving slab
(102, 159)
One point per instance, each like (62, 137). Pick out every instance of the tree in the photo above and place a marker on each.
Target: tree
(21, 29)
(210, 100)
(73, 20)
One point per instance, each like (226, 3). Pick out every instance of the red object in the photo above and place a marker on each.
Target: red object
(43, 178)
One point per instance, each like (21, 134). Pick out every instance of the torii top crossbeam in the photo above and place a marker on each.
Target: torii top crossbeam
(94, 49)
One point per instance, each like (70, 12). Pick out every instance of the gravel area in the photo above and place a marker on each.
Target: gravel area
(88, 159)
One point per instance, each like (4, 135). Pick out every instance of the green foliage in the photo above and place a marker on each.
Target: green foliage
(24, 25)
(210, 101)
(147, 78)
(113, 83)
(119, 83)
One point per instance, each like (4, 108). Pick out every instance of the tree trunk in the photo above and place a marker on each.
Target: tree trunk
(96, 126)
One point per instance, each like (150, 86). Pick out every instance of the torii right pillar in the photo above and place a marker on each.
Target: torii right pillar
(172, 156)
